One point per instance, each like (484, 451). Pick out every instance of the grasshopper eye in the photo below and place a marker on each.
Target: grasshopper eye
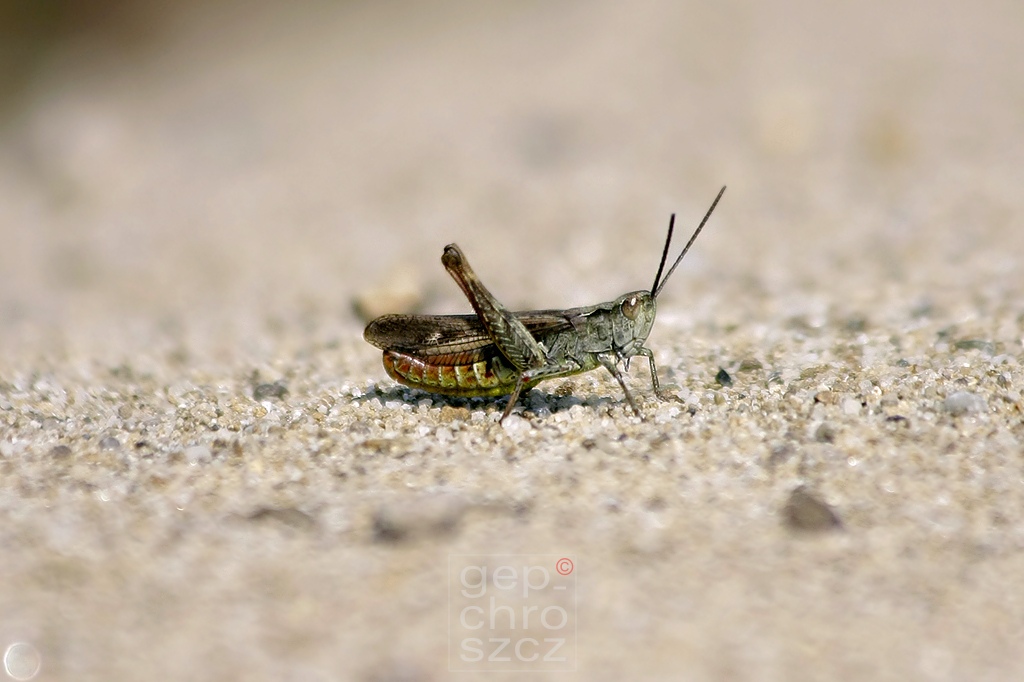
(630, 307)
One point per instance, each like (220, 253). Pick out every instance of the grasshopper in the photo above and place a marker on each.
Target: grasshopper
(497, 352)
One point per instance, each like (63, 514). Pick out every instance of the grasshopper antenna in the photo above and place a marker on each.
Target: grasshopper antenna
(659, 283)
(664, 254)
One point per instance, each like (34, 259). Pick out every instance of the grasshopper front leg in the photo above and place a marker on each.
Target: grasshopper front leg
(509, 334)
(649, 354)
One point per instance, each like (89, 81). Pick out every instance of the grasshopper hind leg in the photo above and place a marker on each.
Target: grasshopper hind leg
(513, 399)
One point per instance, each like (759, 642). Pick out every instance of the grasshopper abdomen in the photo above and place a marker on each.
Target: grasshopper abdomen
(487, 378)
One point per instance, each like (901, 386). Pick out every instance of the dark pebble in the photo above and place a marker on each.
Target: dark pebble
(825, 433)
(60, 452)
(277, 389)
(804, 512)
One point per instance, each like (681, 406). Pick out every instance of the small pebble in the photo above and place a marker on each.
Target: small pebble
(825, 397)
(285, 516)
(825, 433)
(198, 454)
(750, 364)
(277, 389)
(723, 378)
(963, 402)
(417, 517)
(781, 452)
(60, 452)
(109, 443)
(806, 513)
(666, 413)
(976, 344)
(515, 426)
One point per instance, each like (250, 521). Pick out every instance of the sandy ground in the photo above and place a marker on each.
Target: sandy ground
(205, 473)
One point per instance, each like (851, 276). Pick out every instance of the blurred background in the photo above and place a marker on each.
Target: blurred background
(192, 193)
(261, 159)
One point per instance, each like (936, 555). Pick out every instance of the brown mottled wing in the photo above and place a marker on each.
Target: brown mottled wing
(427, 335)
(454, 339)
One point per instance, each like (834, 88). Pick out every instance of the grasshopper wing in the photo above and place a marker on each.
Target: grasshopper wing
(427, 335)
(453, 335)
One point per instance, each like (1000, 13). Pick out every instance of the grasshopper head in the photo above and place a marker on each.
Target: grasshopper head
(636, 310)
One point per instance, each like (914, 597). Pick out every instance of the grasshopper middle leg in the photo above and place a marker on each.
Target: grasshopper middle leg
(609, 362)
